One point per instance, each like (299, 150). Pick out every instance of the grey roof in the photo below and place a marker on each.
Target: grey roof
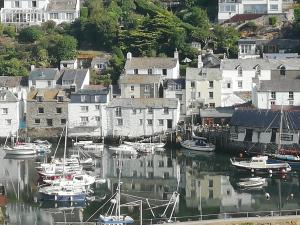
(75, 75)
(139, 79)
(99, 60)
(247, 41)
(141, 103)
(211, 61)
(150, 62)
(9, 96)
(282, 85)
(180, 81)
(61, 5)
(220, 112)
(68, 61)
(13, 81)
(103, 91)
(265, 64)
(263, 118)
(44, 74)
(199, 74)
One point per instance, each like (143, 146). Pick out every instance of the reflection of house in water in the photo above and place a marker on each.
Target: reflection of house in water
(151, 176)
(208, 191)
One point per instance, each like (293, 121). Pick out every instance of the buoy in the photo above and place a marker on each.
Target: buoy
(267, 196)
(252, 170)
(283, 171)
(270, 171)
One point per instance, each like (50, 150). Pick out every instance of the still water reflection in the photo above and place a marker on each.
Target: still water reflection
(206, 183)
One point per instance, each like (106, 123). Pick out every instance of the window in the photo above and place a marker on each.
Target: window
(49, 83)
(8, 121)
(49, 122)
(273, 7)
(97, 98)
(150, 110)
(161, 163)
(60, 98)
(84, 108)
(17, 4)
(70, 16)
(192, 84)
(199, 94)
(273, 95)
(160, 122)
(291, 95)
(97, 107)
(54, 16)
(272, 102)
(240, 71)
(39, 98)
(240, 84)
(133, 111)
(33, 4)
(228, 85)
(166, 110)
(282, 71)
(84, 119)
(4, 111)
(164, 72)
(150, 163)
(147, 88)
(166, 175)
(211, 84)
(37, 121)
(210, 183)
(83, 98)
(212, 105)
(63, 121)
(97, 118)
(141, 121)
(211, 194)
(291, 102)
(131, 88)
(120, 122)
(178, 87)
(211, 95)
(150, 71)
(58, 110)
(179, 96)
(150, 175)
(150, 122)
(136, 71)
(40, 110)
(132, 96)
(118, 111)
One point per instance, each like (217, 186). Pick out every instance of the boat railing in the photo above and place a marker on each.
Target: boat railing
(224, 216)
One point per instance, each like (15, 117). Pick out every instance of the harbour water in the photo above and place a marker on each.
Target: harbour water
(206, 184)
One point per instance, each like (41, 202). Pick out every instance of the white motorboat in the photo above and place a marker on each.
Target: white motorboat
(252, 182)
(123, 149)
(261, 164)
(83, 180)
(198, 144)
(21, 149)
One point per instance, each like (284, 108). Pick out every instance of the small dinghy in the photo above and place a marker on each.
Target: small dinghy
(252, 182)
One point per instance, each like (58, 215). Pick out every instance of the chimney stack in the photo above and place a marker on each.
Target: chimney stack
(176, 54)
(32, 67)
(129, 56)
(200, 63)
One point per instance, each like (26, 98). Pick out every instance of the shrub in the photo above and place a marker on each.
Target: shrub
(30, 34)
(272, 20)
(10, 30)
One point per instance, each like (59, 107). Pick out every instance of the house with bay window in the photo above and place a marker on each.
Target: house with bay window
(134, 117)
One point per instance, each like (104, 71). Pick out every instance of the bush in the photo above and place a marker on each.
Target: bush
(30, 34)
(272, 20)
(10, 30)
(84, 12)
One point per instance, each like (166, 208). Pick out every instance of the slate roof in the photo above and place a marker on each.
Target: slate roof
(139, 79)
(283, 85)
(219, 112)
(141, 103)
(211, 73)
(49, 95)
(150, 62)
(180, 81)
(99, 60)
(262, 118)
(100, 91)
(61, 5)
(75, 75)
(211, 61)
(13, 81)
(265, 64)
(44, 74)
(9, 96)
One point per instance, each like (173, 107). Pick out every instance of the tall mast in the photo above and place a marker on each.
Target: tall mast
(65, 149)
(280, 128)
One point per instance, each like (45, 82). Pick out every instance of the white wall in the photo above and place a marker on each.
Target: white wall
(263, 99)
(13, 114)
(42, 84)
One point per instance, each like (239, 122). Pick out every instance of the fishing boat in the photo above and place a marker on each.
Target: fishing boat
(260, 164)
(198, 144)
(252, 182)
(21, 148)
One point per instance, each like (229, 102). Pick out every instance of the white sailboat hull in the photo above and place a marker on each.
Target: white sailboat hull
(191, 145)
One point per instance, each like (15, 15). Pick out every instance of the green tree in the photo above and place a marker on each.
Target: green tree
(30, 34)
(13, 67)
(49, 26)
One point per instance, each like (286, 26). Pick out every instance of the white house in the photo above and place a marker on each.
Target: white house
(43, 78)
(87, 115)
(167, 67)
(75, 79)
(230, 8)
(267, 94)
(135, 117)
(24, 12)
(10, 113)
(68, 64)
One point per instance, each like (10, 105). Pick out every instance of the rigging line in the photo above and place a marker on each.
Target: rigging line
(59, 141)
(149, 199)
(155, 207)
(292, 122)
(101, 207)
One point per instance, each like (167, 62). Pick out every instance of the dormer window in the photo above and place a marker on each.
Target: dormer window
(136, 71)
(60, 98)
(240, 71)
(282, 70)
(39, 98)
(257, 71)
(164, 72)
